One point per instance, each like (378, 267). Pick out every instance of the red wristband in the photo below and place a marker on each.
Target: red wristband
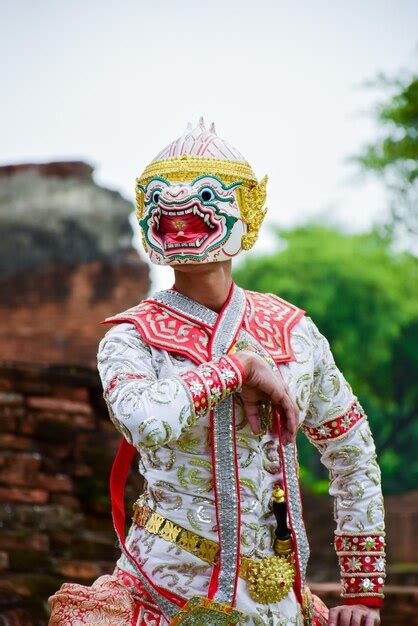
(372, 601)
(239, 365)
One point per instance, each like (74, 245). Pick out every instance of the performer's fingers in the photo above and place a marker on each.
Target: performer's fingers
(253, 419)
(372, 619)
(345, 617)
(333, 616)
(280, 397)
(339, 616)
(289, 420)
(356, 617)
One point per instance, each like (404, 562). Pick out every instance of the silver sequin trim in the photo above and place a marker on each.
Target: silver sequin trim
(291, 478)
(225, 474)
(192, 309)
(223, 436)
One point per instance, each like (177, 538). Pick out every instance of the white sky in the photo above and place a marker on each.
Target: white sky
(113, 82)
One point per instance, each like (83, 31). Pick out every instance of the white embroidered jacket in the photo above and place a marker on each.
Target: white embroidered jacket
(151, 394)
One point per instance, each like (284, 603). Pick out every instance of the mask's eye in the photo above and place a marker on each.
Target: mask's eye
(207, 194)
(155, 197)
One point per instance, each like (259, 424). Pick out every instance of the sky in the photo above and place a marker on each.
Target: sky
(112, 83)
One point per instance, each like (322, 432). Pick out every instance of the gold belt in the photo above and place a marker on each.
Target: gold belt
(269, 579)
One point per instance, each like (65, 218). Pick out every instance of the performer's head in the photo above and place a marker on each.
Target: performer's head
(199, 201)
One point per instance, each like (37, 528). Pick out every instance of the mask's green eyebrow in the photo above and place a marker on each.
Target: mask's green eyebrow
(159, 179)
(224, 187)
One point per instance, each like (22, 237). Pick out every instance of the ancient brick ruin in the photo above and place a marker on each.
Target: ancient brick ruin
(56, 449)
(66, 262)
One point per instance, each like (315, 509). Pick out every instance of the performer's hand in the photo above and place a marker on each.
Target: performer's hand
(354, 615)
(261, 384)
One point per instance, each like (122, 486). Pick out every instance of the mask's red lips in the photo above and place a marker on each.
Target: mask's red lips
(184, 228)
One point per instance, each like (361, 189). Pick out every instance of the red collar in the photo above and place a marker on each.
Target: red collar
(268, 318)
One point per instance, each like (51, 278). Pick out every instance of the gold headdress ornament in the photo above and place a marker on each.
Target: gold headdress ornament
(251, 194)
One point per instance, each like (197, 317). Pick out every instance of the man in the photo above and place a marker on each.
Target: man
(209, 384)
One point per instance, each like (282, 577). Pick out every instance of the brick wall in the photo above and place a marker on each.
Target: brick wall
(56, 318)
(66, 262)
(56, 448)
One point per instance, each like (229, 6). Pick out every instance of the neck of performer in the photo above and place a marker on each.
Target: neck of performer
(206, 283)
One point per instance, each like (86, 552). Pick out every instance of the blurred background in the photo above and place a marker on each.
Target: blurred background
(321, 96)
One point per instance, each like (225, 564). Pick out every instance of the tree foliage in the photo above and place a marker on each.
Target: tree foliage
(394, 154)
(364, 298)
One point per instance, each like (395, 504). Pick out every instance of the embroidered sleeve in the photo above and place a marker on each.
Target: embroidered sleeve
(337, 425)
(151, 411)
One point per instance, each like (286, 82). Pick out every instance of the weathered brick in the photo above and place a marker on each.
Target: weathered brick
(17, 617)
(17, 478)
(58, 451)
(11, 410)
(27, 462)
(8, 593)
(40, 518)
(58, 405)
(84, 422)
(6, 383)
(11, 399)
(54, 483)
(66, 500)
(81, 570)
(4, 560)
(14, 442)
(18, 539)
(15, 494)
(25, 560)
(77, 394)
(81, 470)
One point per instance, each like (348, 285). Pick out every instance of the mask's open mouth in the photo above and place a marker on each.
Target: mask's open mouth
(189, 228)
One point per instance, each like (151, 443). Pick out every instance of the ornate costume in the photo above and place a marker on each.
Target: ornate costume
(202, 548)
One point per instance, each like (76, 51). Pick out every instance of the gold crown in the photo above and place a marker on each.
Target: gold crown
(251, 194)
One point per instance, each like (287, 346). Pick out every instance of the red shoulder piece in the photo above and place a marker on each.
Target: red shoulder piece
(164, 328)
(270, 320)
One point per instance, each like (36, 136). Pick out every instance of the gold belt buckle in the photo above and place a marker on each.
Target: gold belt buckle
(270, 579)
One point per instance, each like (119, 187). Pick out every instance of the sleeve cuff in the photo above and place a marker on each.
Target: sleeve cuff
(210, 383)
(239, 366)
(376, 602)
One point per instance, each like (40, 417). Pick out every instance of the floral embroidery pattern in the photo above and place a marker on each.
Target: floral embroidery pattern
(337, 427)
(210, 383)
(362, 564)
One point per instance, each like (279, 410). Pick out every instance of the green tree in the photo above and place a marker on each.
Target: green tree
(364, 298)
(394, 154)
